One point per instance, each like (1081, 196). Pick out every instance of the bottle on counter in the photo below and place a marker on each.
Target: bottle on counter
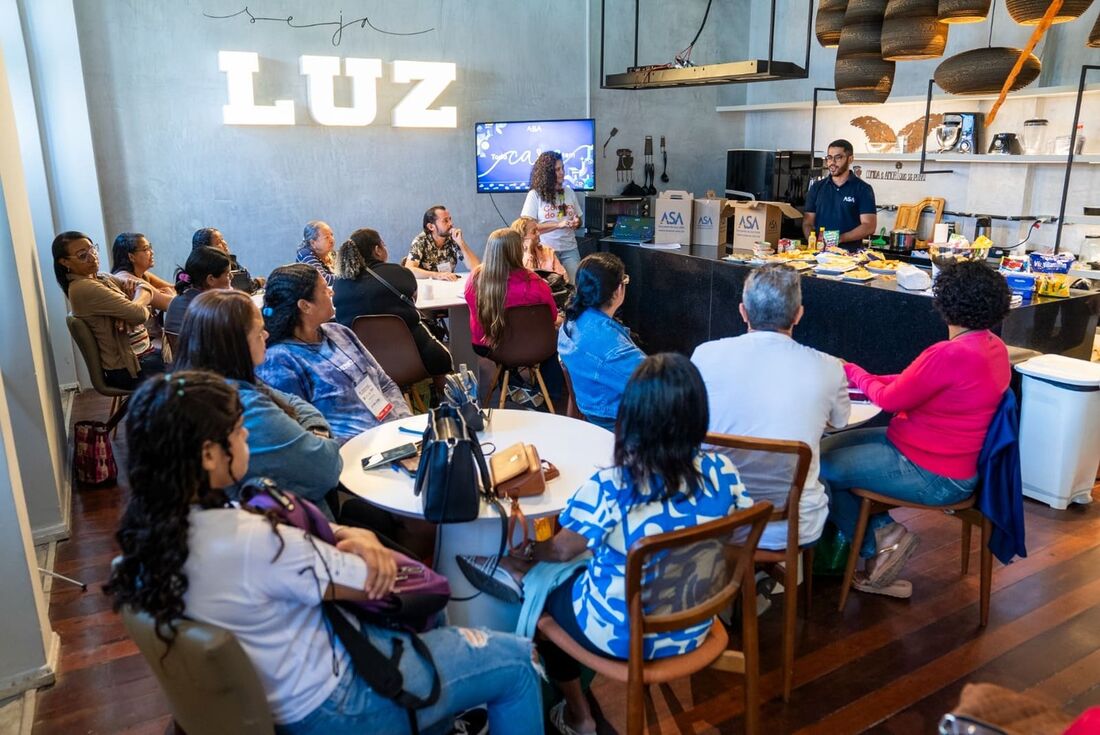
(811, 242)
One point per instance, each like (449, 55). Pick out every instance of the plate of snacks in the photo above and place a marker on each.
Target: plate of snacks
(859, 275)
(883, 267)
(835, 267)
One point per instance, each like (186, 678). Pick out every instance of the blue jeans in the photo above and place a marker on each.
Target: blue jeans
(865, 458)
(475, 667)
(570, 260)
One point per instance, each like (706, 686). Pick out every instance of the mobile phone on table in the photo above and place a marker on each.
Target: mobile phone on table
(371, 461)
(857, 396)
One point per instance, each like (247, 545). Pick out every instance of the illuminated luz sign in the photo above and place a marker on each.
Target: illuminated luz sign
(413, 111)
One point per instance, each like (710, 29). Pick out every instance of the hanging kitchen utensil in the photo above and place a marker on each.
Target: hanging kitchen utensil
(664, 161)
(650, 169)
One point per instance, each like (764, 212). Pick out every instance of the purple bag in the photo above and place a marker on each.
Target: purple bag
(417, 598)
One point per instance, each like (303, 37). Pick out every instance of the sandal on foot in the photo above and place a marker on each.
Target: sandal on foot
(557, 719)
(486, 574)
(899, 588)
(895, 545)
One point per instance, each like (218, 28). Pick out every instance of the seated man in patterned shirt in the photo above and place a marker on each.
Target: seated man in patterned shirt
(435, 252)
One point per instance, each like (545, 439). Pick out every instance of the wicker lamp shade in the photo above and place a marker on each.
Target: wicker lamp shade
(861, 75)
(984, 71)
(963, 11)
(911, 30)
(1030, 12)
(1094, 37)
(828, 26)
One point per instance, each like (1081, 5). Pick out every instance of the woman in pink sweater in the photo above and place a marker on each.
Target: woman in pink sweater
(498, 284)
(942, 405)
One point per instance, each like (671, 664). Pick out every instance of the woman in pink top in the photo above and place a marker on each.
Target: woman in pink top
(500, 283)
(942, 405)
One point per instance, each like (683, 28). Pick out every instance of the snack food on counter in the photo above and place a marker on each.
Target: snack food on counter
(832, 238)
(1021, 284)
(1052, 273)
(1013, 264)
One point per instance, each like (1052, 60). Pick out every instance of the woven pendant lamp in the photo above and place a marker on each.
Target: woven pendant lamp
(861, 75)
(963, 11)
(1030, 12)
(1094, 37)
(911, 30)
(830, 19)
(984, 71)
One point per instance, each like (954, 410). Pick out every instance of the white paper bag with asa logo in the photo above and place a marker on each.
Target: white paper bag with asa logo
(673, 217)
(710, 226)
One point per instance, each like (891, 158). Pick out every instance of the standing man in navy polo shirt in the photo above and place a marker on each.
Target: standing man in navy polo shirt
(841, 202)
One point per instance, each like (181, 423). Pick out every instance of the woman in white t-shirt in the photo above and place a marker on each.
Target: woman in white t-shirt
(556, 209)
(188, 552)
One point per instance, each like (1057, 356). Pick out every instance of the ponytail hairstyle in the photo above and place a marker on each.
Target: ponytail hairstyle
(357, 253)
(169, 420)
(60, 250)
(285, 286)
(662, 422)
(310, 233)
(543, 178)
(203, 262)
(123, 248)
(503, 254)
(598, 276)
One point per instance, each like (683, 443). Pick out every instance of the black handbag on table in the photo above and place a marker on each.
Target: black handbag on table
(452, 477)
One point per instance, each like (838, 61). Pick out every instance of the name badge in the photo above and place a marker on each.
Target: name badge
(373, 399)
(444, 266)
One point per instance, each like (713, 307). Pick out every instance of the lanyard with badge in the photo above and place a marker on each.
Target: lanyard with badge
(369, 394)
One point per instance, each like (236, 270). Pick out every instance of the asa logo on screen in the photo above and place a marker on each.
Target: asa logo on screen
(413, 111)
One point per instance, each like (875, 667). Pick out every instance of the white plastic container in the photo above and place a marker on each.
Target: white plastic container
(1060, 429)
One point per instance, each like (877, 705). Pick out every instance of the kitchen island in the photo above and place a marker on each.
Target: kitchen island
(677, 301)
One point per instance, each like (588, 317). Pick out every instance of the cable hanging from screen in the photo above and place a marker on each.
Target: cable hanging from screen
(684, 57)
(494, 201)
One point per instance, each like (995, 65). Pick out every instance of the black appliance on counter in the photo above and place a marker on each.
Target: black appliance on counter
(773, 176)
(601, 211)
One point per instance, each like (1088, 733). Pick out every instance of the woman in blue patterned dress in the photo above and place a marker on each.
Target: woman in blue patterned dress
(661, 481)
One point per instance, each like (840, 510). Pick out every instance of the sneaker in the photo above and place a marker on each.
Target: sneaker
(471, 722)
(557, 719)
(899, 588)
(485, 574)
(895, 545)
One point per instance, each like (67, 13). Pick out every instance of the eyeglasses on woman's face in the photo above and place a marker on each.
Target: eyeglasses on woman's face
(86, 254)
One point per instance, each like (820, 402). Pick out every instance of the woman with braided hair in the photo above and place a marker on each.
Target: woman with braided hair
(320, 361)
(188, 551)
(289, 439)
(595, 349)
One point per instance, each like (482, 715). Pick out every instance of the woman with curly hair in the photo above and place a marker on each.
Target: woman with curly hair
(942, 405)
(556, 209)
(186, 551)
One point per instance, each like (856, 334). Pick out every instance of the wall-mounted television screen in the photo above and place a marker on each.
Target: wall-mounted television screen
(507, 150)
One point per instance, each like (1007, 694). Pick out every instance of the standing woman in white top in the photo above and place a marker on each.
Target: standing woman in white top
(188, 552)
(556, 209)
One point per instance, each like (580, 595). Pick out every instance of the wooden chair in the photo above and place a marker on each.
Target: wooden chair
(172, 339)
(89, 349)
(571, 409)
(775, 470)
(676, 580)
(908, 216)
(966, 511)
(210, 682)
(529, 339)
(388, 338)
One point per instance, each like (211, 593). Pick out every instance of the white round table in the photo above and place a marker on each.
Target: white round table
(577, 448)
(450, 296)
(862, 412)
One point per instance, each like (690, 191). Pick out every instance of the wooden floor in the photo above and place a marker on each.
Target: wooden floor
(883, 666)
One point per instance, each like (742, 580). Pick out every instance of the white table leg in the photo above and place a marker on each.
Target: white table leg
(481, 538)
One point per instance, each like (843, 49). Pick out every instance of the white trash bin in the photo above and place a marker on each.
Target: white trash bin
(1060, 429)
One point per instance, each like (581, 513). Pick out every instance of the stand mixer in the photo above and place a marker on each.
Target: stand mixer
(960, 132)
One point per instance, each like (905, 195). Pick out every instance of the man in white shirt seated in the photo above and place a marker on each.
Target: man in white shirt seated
(764, 384)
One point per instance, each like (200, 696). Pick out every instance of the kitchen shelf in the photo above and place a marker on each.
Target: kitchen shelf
(991, 158)
(1068, 90)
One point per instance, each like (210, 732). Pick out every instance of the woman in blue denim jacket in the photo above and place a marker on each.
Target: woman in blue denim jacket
(595, 349)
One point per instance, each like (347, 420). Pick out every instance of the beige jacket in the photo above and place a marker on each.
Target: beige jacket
(103, 305)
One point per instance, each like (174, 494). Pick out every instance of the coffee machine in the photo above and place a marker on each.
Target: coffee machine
(960, 132)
